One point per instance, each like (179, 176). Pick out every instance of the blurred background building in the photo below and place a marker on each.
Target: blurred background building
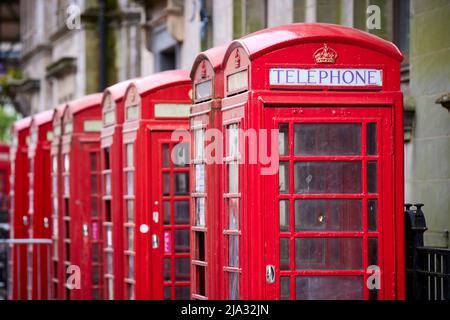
(121, 39)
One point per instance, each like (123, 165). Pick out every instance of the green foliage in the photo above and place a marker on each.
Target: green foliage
(6, 120)
(7, 113)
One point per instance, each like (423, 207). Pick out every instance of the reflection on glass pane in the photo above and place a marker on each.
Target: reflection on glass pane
(94, 207)
(328, 215)
(372, 177)
(233, 286)
(284, 254)
(233, 140)
(283, 184)
(180, 155)
(182, 293)
(200, 212)
(285, 288)
(181, 183)
(110, 288)
(130, 210)
(167, 266)
(167, 293)
(233, 251)
(372, 215)
(66, 185)
(373, 251)
(199, 144)
(283, 139)
(109, 237)
(66, 163)
(130, 238)
(181, 240)
(107, 184)
(327, 139)
(233, 213)
(130, 291)
(55, 184)
(284, 215)
(165, 155)
(93, 183)
(130, 183)
(182, 269)
(109, 263)
(166, 183)
(130, 155)
(371, 139)
(329, 288)
(328, 253)
(166, 212)
(327, 177)
(233, 182)
(54, 164)
(181, 212)
(200, 178)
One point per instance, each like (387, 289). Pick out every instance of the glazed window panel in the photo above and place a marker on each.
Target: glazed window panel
(180, 155)
(181, 183)
(107, 184)
(130, 263)
(182, 267)
(329, 288)
(130, 238)
(165, 156)
(181, 241)
(200, 178)
(233, 213)
(283, 139)
(66, 163)
(233, 286)
(233, 139)
(181, 212)
(199, 136)
(233, 177)
(130, 211)
(233, 251)
(130, 183)
(130, 155)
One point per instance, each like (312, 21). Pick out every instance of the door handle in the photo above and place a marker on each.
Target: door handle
(46, 224)
(155, 241)
(270, 274)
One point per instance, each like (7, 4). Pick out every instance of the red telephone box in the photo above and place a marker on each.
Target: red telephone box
(19, 206)
(58, 267)
(39, 208)
(81, 197)
(112, 195)
(313, 166)
(207, 77)
(156, 188)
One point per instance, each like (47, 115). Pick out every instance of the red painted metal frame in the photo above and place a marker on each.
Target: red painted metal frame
(146, 282)
(40, 201)
(294, 45)
(82, 230)
(206, 115)
(19, 206)
(58, 266)
(111, 142)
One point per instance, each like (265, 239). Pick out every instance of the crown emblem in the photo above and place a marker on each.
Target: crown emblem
(325, 55)
(203, 70)
(237, 59)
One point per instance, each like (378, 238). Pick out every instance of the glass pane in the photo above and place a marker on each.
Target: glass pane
(373, 251)
(94, 206)
(199, 144)
(180, 155)
(95, 252)
(107, 184)
(181, 212)
(181, 183)
(165, 156)
(327, 177)
(94, 183)
(182, 269)
(233, 181)
(131, 267)
(199, 250)
(233, 285)
(66, 185)
(182, 293)
(166, 212)
(285, 288)
(93, 161)
(200, 178)
(130, 210)
(233, 251)
(66, 163)
(284, 216)
(283, 185)
(55, 184)
(167, 266)
(130, 291)
(167, 293)
(200, 212)
(233, 140)
(166, 183)
(233, 213)
(328, 253)
(130, 183)
(109, 263)
(327, 139)
(328, 215)
(371, 177)
(54, 164)
(110, 289)
(109, 237)
(181, 240)
(130, 155)
(285, 254)
(372, 215)
(371, 139)
(283, 139)
(329, 288)
(130, 238)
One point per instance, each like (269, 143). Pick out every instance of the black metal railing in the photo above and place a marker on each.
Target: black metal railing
(427, 268)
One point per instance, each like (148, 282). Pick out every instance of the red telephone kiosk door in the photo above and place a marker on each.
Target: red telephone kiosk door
(332, 215)
(39, 203)
(19, 207)
(81, 198)
(156, 187)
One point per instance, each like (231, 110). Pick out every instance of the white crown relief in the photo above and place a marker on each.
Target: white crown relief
(325, 55)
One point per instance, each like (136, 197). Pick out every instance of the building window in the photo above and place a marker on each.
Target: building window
(248, 16)
(401, 27)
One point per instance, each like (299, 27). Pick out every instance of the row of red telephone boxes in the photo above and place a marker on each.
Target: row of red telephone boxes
(274, 170)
